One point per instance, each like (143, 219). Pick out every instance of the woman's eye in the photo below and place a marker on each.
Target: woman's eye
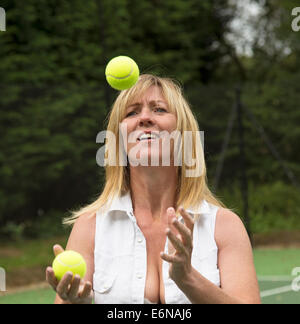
(129, 114)
(158, 108)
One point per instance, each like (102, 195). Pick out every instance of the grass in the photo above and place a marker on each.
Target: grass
(36, 296)
(25, 261)
(276, 262)
(28, 253)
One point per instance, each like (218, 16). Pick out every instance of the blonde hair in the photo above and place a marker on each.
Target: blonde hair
(190, 190)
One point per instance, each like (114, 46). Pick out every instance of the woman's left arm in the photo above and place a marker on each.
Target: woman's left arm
(235, 262)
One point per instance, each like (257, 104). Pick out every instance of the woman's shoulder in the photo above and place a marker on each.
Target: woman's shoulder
(83, 230)
(86, 220)
(229, 229)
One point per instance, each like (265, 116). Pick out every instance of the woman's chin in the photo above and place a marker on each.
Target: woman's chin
(148, 159)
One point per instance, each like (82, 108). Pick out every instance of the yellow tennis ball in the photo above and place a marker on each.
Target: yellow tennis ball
(69, 261)
(122, 73)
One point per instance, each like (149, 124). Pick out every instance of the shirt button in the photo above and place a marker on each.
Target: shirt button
(139, 276)
(140, 240)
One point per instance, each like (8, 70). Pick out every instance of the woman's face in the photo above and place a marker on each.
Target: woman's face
(150, 113)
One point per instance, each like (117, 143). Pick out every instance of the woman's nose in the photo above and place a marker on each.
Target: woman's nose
(146, 116)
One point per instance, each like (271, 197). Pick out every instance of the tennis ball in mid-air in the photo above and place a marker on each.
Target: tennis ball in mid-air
(122, 73)
(69, 261)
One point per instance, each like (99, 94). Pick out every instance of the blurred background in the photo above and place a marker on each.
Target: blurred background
(238, 63)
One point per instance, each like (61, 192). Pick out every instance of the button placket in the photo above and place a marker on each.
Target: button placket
(140, 266)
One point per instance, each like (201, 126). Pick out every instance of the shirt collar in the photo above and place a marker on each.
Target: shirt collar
(202, 208)
(124, 203)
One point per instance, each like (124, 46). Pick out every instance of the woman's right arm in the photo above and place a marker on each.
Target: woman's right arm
(82, 240)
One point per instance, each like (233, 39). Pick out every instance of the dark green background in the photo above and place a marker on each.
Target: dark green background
(54, 100)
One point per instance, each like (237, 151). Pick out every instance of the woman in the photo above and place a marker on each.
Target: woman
(157, 234)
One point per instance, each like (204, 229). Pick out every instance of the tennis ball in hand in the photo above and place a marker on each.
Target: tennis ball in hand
(122, 73)
(69, 261)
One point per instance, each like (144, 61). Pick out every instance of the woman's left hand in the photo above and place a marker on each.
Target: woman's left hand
(180, 258)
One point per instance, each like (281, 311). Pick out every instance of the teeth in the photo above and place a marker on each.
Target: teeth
(146, 137)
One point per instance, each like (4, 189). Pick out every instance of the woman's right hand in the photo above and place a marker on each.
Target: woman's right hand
(70, 290)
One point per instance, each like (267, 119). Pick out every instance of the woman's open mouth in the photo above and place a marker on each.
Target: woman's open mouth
(148, 137)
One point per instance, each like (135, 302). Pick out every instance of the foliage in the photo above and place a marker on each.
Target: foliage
(272, 206)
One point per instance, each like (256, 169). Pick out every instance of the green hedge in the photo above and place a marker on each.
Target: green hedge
(272, 207)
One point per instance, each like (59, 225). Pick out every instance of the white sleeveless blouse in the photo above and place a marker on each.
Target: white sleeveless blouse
(120, 254)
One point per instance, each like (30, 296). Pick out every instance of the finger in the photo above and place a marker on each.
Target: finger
(73, 291)
(171, 216)
(57, 249)
(50, 277)
(63, 286)
(87, 288)
(188, 219)
(169, 258)
(176, 241)
(185, 233)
